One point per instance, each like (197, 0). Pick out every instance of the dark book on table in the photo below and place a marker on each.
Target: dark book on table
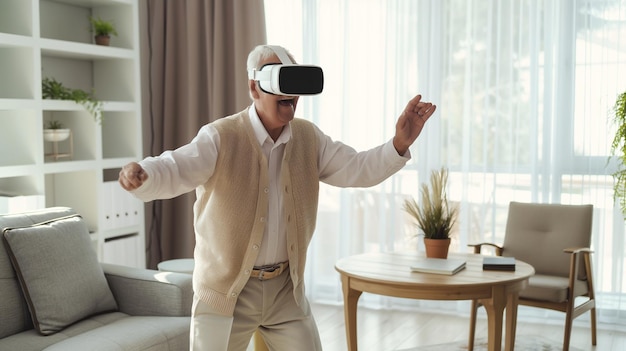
(498, 263)
(448, 266)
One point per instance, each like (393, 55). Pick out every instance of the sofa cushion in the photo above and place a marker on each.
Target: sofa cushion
(108, 331)
(14, 315)
(59, 272)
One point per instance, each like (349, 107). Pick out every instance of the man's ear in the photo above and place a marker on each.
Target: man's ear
(252, 86)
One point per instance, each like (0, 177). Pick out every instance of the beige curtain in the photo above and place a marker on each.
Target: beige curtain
(193, 70)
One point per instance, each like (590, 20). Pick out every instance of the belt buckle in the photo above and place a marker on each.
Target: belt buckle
(266, 269)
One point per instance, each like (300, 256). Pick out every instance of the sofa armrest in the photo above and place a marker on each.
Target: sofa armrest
(146, 292)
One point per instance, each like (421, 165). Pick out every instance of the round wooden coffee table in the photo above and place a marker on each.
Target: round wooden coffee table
(390, 274)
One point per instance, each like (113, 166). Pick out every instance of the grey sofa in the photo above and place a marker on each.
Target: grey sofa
(55, 295)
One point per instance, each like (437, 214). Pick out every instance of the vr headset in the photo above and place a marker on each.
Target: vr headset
(288, 78)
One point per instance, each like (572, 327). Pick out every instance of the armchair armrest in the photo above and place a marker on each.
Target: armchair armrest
(577, 250)
(146, 292)
(576, 272)
(478, 247)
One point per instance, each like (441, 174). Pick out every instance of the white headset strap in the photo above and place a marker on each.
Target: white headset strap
(281, 53)
(282, 56)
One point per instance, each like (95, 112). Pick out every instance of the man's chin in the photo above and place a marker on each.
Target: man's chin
(287, 110)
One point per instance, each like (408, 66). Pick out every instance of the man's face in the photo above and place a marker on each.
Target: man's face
(275, 111)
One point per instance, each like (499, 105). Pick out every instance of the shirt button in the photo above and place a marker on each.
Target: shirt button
(247, 272)
(262, 219)
(266, 190)
(255, 246)
(233, 294)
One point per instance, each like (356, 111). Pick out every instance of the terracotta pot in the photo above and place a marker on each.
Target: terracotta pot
(103, 40)
(437, 248)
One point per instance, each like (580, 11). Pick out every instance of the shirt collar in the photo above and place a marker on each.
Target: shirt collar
(261, 133)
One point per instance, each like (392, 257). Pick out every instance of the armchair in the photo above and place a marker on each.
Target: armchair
(555, 240)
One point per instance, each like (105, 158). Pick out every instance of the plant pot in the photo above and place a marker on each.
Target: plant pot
(437, 248)
(103, 40)
(55, 135)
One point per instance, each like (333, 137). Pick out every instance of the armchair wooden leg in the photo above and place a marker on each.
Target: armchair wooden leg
(593, 326)
(567, 333)
(472, 328)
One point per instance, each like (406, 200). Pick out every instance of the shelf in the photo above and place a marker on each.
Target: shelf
(18, 171)
(13, 40)
(19, 104)
(119, 132)
(16, 17)
(69, 20)
(62, 190)
(65, 166)
(53, 39)
(92, 3)
(66, 105)
(22, 185)
(64, 49)
(61, 105)
(109, 79)
(119, 106)
(17, 142)
(17, 70)
(83, 128)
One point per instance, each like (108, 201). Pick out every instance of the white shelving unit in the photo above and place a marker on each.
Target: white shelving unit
(52, 38)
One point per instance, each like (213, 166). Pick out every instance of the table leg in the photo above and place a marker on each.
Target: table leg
(350, 300)
(495, 310)
(511, 321)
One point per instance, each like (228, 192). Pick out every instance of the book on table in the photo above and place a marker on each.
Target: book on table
(498, 263)
(448, 266)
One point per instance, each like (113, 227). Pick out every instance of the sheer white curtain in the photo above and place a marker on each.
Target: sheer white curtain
(524, 90)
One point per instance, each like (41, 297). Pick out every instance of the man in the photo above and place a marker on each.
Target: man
(256, 176)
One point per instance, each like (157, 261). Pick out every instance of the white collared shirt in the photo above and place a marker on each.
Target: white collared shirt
(179, 171)
(274, 243)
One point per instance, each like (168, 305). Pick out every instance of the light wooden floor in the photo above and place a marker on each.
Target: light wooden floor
(383, 330)
(391, 330)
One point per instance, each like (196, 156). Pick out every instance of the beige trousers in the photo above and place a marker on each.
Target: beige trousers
(268, 306)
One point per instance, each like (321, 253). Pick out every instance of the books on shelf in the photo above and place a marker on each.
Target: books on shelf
(447, 266)
(498, 263)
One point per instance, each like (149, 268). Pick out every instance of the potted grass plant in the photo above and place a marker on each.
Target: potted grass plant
(433, 215)
(102, 30)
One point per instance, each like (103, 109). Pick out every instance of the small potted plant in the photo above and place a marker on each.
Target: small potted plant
(434, 217)
(54, 131)
(102, 30)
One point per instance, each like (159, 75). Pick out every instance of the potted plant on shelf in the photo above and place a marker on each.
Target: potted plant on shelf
(618, 148)
(102, 30)
(55, 90)
(434, 217)
(54, 131)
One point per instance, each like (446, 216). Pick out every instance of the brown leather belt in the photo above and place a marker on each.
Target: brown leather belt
(270, 271)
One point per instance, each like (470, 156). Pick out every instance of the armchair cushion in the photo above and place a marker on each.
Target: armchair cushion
(58, 272)
(550, 288)
(538, 233)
